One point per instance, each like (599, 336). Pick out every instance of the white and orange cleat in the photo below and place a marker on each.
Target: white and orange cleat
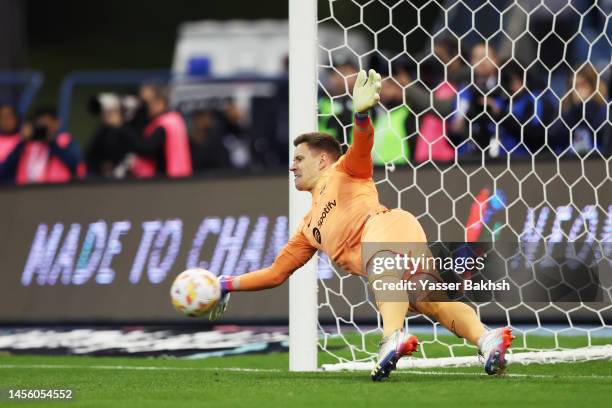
(393, 347)
(493, 346)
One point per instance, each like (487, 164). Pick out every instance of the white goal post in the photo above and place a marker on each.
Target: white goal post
(302, 119)
(518, 186)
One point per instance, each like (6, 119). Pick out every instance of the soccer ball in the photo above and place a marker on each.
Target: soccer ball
(195, 291)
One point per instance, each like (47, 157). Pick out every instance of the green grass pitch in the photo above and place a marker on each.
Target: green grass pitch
(263, 380)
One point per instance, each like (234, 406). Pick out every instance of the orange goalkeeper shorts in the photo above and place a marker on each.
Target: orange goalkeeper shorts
(398, 231)
(393, 226)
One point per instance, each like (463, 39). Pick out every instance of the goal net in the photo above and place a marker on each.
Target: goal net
(493, 126)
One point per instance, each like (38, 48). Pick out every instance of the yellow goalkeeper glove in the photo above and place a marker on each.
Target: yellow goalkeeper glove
(366, 92)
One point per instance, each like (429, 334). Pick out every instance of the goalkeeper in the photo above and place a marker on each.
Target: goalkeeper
(345, 213)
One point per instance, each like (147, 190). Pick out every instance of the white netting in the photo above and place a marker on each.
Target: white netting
(494, 125)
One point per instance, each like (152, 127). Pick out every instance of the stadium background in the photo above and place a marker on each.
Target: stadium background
(101, 254)
(154, 230)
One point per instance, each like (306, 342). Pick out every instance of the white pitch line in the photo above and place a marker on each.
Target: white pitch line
(271, 370)
(144, 368)
(603, 377)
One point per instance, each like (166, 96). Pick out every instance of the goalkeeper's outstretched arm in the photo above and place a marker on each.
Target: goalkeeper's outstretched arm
(366, 94)
(293, 255)
(287, 262)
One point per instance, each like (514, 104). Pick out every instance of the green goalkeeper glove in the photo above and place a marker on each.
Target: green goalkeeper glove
(366, 92)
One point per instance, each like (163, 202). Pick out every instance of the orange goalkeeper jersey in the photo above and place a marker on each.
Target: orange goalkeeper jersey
(344, 198)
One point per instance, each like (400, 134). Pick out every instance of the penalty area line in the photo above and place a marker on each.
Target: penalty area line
(142, 368)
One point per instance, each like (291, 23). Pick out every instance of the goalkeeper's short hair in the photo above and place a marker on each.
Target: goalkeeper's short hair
(322, 142)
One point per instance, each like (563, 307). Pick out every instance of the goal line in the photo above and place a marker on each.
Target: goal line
(529, 357)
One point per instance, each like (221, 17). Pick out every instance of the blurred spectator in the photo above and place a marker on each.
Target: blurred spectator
(140, 119)
(402, 102)
(578, 36)
(336, 106)
(479, 103)
(44, 155)
(110, 142)
(393, 124)
(163, 147)
(270, 128)
(418, 96)
(9, 133)
(235, 139)
(523, 130)
(432, 143)
(484, 62)
(207, 149)
(583, 126)
(447, 50)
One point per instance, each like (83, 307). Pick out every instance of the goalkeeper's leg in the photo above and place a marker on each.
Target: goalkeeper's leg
(462, 320)
(393, 306)
(395, 226)
(400, 226)
(457, 317)
(395, 343)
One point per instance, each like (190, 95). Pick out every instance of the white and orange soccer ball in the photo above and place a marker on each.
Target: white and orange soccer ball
(195, 291)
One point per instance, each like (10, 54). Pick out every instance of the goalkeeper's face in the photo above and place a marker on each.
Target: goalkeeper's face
(308, 165)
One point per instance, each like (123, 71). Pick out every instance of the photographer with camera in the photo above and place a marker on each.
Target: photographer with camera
(44, 155)
(163, 147)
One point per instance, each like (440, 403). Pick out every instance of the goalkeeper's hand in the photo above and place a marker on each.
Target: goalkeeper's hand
(219, 308)
(366, 92)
